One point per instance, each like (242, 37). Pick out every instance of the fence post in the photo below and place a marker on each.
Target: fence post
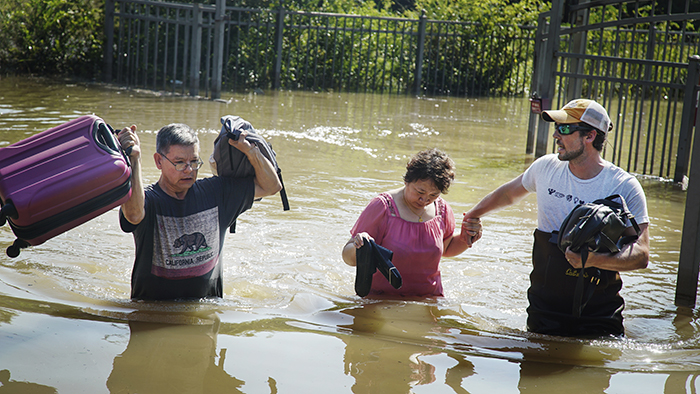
(277, 80)
(535, 80)
(109, 41)
(196, 54)
(419, 54)
(218, 49)
(549, 67)
(690, 102)
(576, 65)
(689, 259)
(648, 69)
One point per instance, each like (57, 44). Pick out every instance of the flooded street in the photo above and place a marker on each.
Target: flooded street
(290, 321)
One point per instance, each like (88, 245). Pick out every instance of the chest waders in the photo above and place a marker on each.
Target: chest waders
(558, 307)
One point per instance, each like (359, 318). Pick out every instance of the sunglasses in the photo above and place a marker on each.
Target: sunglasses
(566, 129)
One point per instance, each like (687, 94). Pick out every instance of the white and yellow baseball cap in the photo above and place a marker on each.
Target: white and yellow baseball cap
(581, 110)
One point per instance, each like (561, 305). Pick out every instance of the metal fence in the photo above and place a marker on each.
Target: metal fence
(202, 49)
(633, 57)
(639, 59)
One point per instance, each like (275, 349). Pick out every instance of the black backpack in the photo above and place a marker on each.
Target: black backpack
(595, 227)
(230, 162)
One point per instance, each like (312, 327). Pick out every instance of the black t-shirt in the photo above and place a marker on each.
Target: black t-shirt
(179, 242)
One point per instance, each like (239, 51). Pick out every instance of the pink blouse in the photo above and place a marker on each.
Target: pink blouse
(417, 247)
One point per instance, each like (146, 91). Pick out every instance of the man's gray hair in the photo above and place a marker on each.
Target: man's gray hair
(175, 134)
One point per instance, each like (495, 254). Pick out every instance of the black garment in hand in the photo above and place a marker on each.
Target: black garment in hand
(371, 257)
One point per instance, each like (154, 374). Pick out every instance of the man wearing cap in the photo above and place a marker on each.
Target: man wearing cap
(576, 174)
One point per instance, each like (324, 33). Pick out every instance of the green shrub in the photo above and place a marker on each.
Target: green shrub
(51, 37)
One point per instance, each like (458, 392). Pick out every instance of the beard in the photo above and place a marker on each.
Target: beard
(569, 155)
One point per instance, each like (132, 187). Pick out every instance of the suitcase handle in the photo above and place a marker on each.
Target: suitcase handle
(104, 136)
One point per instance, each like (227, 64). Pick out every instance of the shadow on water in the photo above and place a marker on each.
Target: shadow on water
(289, 320)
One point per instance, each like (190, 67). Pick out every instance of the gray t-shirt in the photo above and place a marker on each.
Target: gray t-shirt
(179, 242)
(559, 191)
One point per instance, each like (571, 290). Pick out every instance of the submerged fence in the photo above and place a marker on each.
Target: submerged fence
(202, 49)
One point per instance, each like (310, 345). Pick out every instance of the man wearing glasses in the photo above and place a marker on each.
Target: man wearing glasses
(576, 174)
(179, 223)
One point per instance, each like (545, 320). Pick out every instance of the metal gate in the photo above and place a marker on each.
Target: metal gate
(639, 60)
(200, 49)
(633, 57)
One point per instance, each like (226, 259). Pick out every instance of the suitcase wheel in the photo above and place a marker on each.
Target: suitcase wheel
(14, 249)
(8, 210)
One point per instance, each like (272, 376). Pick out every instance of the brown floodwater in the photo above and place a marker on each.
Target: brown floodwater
(289, 321)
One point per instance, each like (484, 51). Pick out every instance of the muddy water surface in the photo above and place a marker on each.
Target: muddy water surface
(289, 321)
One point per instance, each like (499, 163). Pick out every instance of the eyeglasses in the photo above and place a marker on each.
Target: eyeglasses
(180, 166)
(566, 129)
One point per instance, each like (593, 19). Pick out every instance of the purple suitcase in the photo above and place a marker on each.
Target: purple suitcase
(61, 178)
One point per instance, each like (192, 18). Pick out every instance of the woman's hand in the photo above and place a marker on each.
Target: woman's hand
(350, 248)
(471, 230)
(469, 233)
(359, 239)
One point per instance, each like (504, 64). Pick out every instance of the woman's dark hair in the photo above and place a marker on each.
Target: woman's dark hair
(175, 134)
(431, 164)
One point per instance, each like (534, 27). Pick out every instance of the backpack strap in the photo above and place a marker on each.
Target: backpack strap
(584, 291)
(625, 211)
(283, 195)
(630, 217)
(283, 191)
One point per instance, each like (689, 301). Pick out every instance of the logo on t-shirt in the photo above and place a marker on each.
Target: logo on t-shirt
(190, 243)
(568, 197)
(186, 247)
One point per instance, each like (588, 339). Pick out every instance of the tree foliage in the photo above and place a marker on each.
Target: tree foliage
(51, 36)
(66, 36)
(493, 12)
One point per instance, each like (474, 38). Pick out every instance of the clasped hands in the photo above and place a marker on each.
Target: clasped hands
(471, 230)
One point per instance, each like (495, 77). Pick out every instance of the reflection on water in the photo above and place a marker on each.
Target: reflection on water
(12, 386)
(289, 320)
(162, 357)
(376, 345)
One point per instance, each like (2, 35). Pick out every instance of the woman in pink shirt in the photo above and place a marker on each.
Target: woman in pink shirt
(416, 224)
